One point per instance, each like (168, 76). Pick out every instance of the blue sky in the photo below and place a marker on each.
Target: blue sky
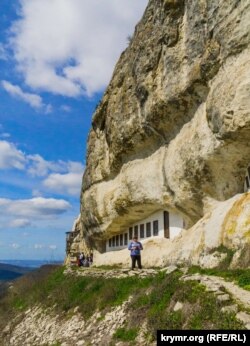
(56, 58)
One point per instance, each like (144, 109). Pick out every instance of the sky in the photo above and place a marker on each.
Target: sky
(56, 59)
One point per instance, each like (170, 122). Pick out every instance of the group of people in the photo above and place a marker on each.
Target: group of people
(85, 261)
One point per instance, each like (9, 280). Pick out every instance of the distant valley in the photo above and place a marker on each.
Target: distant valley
(10, 272)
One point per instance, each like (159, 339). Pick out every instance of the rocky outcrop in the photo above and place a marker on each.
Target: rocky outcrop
(75, 243)
(173, 126)
(224, 223)
(41, 326)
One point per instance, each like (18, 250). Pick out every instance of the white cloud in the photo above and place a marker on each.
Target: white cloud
(64, 177)
(33, 100)
(3, 52)
(69, 183)
(65, 108)
(4, 135)
(40, 167)
(75, 167)
(20, 223)
(42, 246)
(15, 246)
(67, 47)
(36, 193)
(35, 165)
(35, 207)
(38, 246)
(10, 156)
(48, 109)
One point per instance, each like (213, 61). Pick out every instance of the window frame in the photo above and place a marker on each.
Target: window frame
(155, 228)
(148, 230)
(142, 231)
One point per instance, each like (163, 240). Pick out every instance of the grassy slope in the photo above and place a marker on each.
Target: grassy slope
(153, 300)
(240, 276)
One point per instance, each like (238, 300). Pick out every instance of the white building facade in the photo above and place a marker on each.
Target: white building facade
(161, 224)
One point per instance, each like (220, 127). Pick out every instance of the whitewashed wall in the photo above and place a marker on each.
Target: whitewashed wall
(175, 226)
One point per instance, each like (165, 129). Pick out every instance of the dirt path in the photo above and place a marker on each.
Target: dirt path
(214, 283)
(218, 286)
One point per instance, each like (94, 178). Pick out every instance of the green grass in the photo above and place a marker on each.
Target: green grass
(19, 304)
(86, 292)
(124, 334)
(154, 298)
(228, 259)
(240, 276)
(200, 308)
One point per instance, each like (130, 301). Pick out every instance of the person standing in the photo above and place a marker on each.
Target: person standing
(135, 248)
(82, 258)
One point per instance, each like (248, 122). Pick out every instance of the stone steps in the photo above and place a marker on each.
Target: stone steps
(218, 286)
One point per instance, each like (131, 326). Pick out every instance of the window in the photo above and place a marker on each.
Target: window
(130, 233)
(148, 229)
(155, 227)
(113, 241)
(121, 239)
(110, 242)
(142, 231)
(117, 240)
(136, 231)
(126, 239)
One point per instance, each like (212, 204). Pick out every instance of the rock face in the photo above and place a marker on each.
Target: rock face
(172, 129)
(75, 243)
(224, 223)
(40, 326)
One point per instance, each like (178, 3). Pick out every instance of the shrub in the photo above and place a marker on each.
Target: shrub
(124, 334)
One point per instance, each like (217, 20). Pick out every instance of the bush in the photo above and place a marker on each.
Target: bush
(124, 334)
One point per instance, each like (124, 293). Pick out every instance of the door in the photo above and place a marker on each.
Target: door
(166, 224)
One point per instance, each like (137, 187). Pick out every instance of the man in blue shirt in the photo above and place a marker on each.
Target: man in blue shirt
(135, 248)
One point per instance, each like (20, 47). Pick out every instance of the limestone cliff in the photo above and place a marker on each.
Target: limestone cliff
(75, 243)
(224, 223)
(172, 130)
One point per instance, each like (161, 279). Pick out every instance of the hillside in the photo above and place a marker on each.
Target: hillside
(8, 275)
(10, 272)
(106, 306)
